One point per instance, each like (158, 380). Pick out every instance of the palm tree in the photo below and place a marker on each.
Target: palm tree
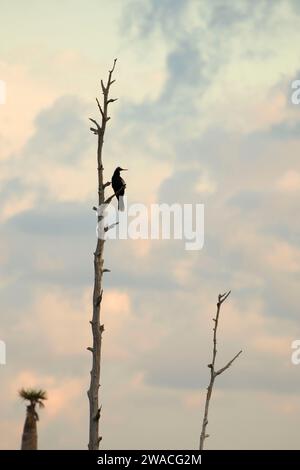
(35, 397)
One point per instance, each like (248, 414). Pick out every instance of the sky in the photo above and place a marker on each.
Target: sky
(204, 115)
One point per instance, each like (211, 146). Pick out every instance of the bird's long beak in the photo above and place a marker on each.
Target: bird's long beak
(124, 169)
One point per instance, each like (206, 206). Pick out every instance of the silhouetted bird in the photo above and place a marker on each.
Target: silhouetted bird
(118, 185)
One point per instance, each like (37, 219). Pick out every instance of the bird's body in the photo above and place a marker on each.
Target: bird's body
(118, 185)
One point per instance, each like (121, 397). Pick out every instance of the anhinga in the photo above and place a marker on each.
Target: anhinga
(119, 185)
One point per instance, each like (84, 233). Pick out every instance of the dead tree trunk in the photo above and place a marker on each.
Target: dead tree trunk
(97, 327)
(29, 436)
(213, 372)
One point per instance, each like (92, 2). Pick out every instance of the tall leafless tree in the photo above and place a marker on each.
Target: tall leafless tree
(97, 327)
(213, 371)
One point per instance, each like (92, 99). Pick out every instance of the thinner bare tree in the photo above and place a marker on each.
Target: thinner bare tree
(213, 371)
(97, 327)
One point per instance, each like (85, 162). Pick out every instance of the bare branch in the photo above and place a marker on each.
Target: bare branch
(95, 131)
(109, 227)
(113, 68)
(220, 371)
(100, 108)
(213, 372)
(110, 198)
(105, 185)
(223, 297)
(112, 100)
(109, 80)
(96, 123)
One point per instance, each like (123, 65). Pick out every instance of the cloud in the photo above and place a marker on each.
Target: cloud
(151, 14)
(290, 181)
(25, 97)
(61, 133)
(286, 130)
(202, 117)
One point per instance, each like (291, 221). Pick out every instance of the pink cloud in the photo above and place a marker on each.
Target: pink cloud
(283, 257)
(290, 181)
(25, 98)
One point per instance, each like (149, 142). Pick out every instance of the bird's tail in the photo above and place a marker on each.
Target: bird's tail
(121, 206)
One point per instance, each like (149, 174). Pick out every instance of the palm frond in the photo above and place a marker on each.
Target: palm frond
(33, 395)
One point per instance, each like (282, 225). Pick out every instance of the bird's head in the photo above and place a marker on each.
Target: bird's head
(118, 169)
